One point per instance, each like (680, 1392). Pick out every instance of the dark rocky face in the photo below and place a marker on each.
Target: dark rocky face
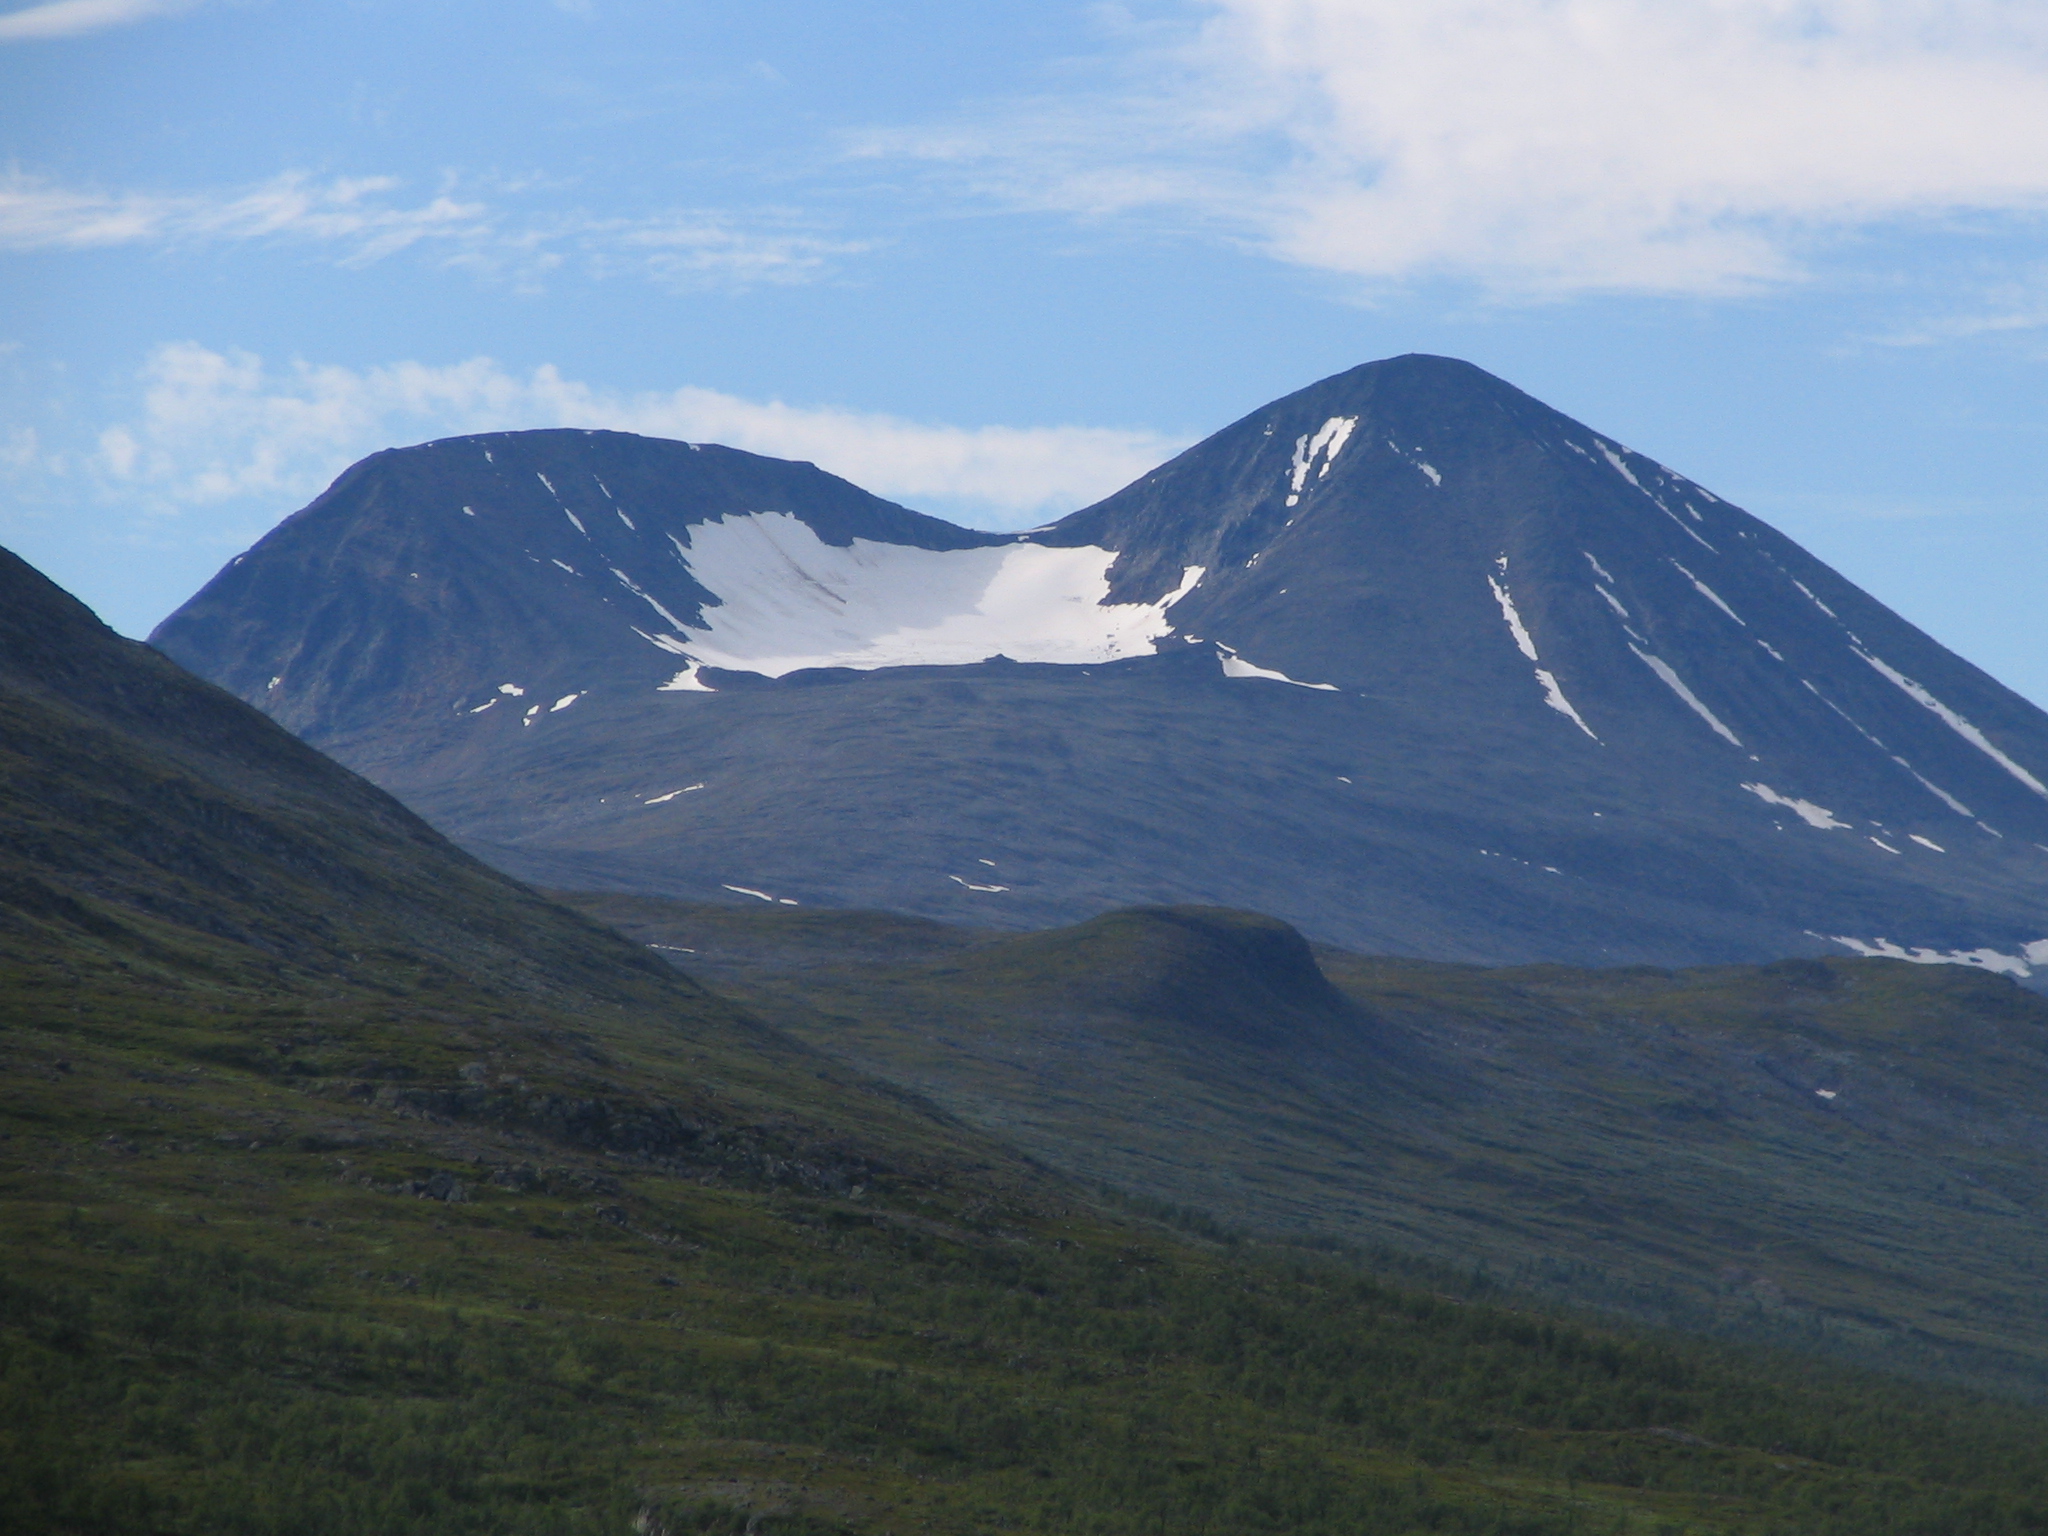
(1571, 706)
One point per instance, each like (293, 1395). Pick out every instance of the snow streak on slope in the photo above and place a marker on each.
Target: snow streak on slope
(1235, 665)
(1813, 815)
(1676, 684)
(1553, 694)
(1329, 439)
(1953, 721)
(787, 600)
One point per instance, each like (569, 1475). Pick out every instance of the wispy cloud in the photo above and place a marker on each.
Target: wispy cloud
(364, 219)
(37, 215)
(1539, 146)
(68, 18)
(687, 250)
(2016, 308)
(215, 426)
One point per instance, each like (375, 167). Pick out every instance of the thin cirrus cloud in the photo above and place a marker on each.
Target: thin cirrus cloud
(37, 215)
(215, 427)
(1538, 146)
(362, 221)
(69, 18)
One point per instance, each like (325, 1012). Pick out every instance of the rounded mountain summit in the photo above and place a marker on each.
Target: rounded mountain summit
(1405, 658)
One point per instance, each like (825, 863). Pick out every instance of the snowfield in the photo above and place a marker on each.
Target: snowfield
(788, 600)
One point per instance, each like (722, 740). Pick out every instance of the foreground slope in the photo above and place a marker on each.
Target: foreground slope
(350, 1188)
(1406, 658)
(1846, 1154)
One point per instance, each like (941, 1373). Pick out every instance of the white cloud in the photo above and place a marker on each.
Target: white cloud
(215, 426)
(685, 250)
(359, 217)
(2015, 308)
(36, 215)
(68, 18)
(1545, 145)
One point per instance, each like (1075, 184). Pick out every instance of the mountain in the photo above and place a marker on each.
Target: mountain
(351, 1188)
(1845, 1154)
(179, 873)
(1406, 659)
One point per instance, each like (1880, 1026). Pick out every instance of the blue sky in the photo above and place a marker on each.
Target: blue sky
(993, 261)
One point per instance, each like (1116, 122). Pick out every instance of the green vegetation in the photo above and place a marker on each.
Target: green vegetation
(350, 1188)
(1842, 1156)
(231, 1303)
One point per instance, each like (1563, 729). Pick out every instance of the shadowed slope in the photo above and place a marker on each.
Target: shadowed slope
(1845, 1153)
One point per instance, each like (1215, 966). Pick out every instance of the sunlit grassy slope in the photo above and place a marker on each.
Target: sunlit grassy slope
(1849, 1155)
(349, 1188)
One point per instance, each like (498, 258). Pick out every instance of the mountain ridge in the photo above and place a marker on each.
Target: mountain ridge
(1434, 670)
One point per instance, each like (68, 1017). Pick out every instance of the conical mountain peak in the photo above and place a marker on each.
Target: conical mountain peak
(1406, 658)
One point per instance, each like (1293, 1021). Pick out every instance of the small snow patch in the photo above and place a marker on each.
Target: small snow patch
(1235, 665)
(2020, 965)
(1516, 627)
(1608, 453)
(1676, 684)
(1813, 815)
(1327, 443)
(686, 681)
(973, 887)
(1926, 842)
(664, 799)
(564, 702)
(646, 597)
(1937, 791)
(1953, 721)
(1553, 695)
(1708, 593)
(673, 644)
(748, 890)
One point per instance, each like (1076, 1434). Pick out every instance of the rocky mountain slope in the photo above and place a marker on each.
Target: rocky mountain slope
(1406, 658)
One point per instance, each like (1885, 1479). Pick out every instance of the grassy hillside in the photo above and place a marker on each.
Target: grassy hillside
(349, 1188)
(1846, 1155)
(239, 1297)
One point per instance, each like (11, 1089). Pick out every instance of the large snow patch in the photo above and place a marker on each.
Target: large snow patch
(788, 600)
